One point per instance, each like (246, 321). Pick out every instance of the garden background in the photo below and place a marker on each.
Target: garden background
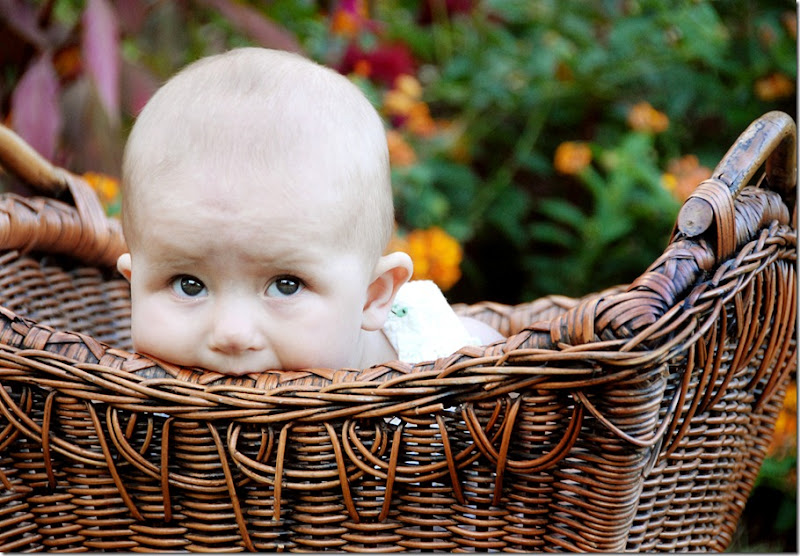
(538, 146)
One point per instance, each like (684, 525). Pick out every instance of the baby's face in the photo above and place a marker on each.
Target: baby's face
(242, 284)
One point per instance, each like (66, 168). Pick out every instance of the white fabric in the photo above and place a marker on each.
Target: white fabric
(422, 326)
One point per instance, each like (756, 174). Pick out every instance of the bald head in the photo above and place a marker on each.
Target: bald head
(264, 125)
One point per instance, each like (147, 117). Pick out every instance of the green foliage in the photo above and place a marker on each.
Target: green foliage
(604, 239)
(514, 79)
(522, 77)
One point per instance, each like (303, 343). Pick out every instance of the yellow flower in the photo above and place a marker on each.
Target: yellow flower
(572, 157)
(669, 182)
(773, 87)
(436, 255)
(643, 117)
(400, 152)
(790, 401)
(683, 175)
(106, 187)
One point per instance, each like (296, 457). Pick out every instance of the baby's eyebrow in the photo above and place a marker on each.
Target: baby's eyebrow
(179, 261)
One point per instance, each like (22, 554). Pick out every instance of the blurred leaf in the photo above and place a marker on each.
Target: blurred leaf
(138, 85)
(457, 181)
(95, 141)
(131, 14)
(535, 162)
(22, 18)
(563, 212)
(101, 53)
(165, 41)
(507, 212)
(547, 232)
(774, 472)
(35, 112)
(613, 229)
(255, 24)
(700, 33)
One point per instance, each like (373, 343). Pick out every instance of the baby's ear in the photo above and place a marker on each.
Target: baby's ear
(124, 265)
(391, 272)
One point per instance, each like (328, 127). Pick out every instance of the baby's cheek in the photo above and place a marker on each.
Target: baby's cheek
(160, 332)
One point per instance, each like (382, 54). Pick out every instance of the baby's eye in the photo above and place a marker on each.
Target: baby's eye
(284, 286)
(188, 286)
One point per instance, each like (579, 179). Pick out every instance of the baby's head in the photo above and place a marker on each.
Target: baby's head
(257, 205)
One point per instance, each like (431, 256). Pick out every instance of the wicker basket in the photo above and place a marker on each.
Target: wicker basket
(631, 419)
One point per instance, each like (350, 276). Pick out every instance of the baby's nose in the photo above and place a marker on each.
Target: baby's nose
(236, 330)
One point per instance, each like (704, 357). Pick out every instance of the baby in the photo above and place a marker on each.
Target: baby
(257, 207)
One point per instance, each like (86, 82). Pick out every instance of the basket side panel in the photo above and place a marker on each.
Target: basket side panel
(58, 293)
(737, 375)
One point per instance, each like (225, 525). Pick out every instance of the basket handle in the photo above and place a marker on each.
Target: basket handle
(98, 239)
(771, 139)
(22, 160)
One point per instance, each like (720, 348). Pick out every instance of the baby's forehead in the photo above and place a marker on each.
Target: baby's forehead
(260, 219)
(247, 190)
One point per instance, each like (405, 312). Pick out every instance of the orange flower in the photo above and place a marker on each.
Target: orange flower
(344, 23)
(106, 187)
(785, 436)
(564, 73)
(767, 35)
(349, 18)
(643, 117)
(773, 87)
(572, 157)
(419, 120)
(403, 102)
(683, 175)
(789, 21)
(400, 152)
(362, 68)
(68, 62)
(455, 139)
(436, 255)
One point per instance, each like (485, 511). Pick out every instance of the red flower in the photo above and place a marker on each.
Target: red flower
(386, 62)
(430, 9)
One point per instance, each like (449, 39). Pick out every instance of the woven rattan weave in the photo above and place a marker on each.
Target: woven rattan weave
(632, 419)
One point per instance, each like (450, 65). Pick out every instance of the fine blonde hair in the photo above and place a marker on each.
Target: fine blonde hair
(278, 112)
